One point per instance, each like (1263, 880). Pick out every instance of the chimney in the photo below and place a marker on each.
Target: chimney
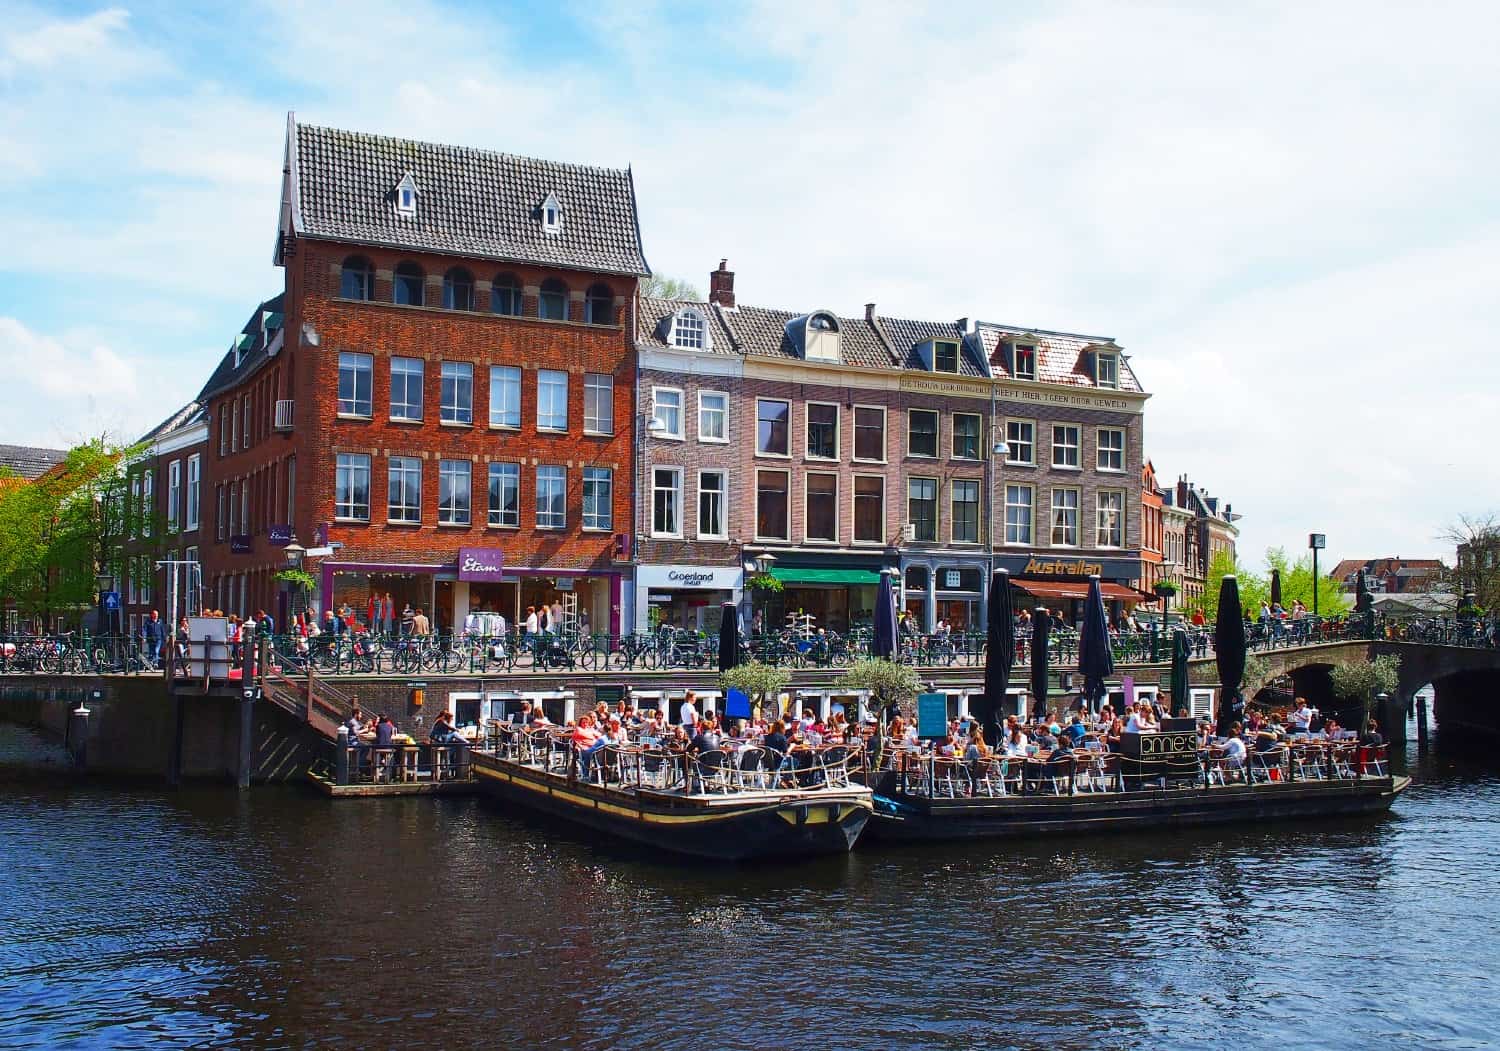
(721, 285)
(870, 312)
(1182, 492)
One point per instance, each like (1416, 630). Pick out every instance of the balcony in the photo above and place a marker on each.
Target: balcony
(283, 414)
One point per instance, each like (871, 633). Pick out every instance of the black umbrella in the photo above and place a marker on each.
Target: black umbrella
(1181, 649)
(729, 637)
(1041, 623)
(1229, 653)
(999, 654)
(1275, 587)
(1362, 600)
(1095, 661)
(883, 644)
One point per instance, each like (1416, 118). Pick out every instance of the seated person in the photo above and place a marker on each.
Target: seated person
(1015, 742)
(587, 742)
(1234, 748)
(1371, 737)
(442, 731)
(1075, 731)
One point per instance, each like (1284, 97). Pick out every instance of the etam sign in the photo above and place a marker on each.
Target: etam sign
(480, 563)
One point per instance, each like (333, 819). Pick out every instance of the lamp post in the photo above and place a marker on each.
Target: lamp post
(106, 582)
(763, 563)
(1316, 541)
(293, 552)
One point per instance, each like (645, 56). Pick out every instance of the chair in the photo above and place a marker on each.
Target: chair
(950, 777)
(1341, 761)
(754, 768)
(1011, 772)
(711, 772)
(559, 754)
(1057, 776)
(1266, 767)
(833, 763)
(1222, 772)
(916, 774)
(1372, 760)
(627, 764)
(1308, 763)
(988, 776)
(1091, 771)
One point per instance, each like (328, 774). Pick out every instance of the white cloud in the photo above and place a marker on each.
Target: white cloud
(60, 41)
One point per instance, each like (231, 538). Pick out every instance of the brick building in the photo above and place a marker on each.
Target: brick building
(1196, 527)
(443, 410)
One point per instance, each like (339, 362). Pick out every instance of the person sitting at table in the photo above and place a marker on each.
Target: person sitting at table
(897, 730)
(539, 718)
(1015, 742)
(1331, 728)
(1234, 749)
(385, 737)
(1140, 722)
(1075, 732)
(442, 731)
(1371, 737)
(1106, 714)
(524, 716)
(355, 724)
(653, 726)
(775, 738)
(1112, 735)
(707, 738)
(587, 742)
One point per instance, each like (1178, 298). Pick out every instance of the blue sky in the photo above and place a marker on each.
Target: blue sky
(1287, 214)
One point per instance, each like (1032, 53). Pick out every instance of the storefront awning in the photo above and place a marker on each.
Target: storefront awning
(825, 576)
(1068, 589)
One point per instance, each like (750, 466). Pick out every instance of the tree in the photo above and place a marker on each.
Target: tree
(888, 682)
(1362, 680)
(658, 286)
(1296, 583)
(1477, 538)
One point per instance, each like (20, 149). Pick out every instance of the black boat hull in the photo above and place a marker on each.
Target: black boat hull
(717, 830)
(921, 819)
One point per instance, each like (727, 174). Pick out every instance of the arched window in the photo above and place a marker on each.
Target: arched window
(458, 289)
(410, 282)
(505, 295)
(599, 306)
(689, 330)
(357, 280)
(553, 304)
(823, 323)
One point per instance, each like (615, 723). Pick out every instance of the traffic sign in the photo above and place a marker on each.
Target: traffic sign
(110, 600)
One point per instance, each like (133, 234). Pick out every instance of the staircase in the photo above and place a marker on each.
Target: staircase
(322, 707)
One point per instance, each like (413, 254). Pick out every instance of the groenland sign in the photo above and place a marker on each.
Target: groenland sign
(708, 578)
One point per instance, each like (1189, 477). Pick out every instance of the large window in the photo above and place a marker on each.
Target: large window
(357, 279)
(599, 305)
(1111, 449)
(174, 495)
(713, 416)
(772, 509)
(966, 435)
(351, 488)
(822, 517)
(505, 396)
(1111, 531)
(598, 403)
(404, 490)
(551, 400)
(148, 502)
(1019, 502)
(666, 501)
(921, 499)
(458, 289)
(194, 482)
(354, 383)
(711, 495)
(406, 388)
(505, 295)
(1065, 517)
(457, 392)
(505, 494)
(822, 431)
(598, 497)
(922, 434)
(1025, 357)
(773, 427)
(1064, 445)
(1020, 441)
(869, 509)
(965, 520)
(869, 433)
(455, 492)
(220, 521)
(552, 303)
(234, 502)
(666, 409)
(551, 498)
(1107, 370)
(409, 285)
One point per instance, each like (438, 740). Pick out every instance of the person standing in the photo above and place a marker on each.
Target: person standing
(151, 634)
(419, 623)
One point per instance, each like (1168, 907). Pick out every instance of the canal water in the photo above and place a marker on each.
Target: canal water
(138, 918)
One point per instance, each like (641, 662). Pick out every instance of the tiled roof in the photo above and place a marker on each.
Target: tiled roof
(1060, 357)
(29, 461)
(759, 332)
(469, 202)
(252, 341)
(189, 414)
(652, 314)
(904, 335)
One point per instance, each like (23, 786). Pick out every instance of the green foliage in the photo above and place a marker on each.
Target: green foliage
(1296, 583)
(885, 679)
(300, 579)
(1358, 680)
(765, 582)
(658, 286)
(761, 681)
(1164, 587)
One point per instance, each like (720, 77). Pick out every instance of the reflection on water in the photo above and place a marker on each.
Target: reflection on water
(278, 919)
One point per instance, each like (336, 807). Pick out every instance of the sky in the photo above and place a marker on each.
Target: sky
(1287, 214)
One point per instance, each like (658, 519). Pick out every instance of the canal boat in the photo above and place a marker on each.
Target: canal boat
(713, 809)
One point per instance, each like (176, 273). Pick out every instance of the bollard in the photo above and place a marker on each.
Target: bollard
(341, 757)
(1421, 724)
(78, 736)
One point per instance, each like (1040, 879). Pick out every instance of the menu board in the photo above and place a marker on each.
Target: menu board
(932, 715)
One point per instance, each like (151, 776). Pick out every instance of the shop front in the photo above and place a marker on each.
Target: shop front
(687, 597)
(831, 591)
(1062, 584)
(944, 587)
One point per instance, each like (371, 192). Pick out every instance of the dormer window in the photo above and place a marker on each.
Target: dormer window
(1107, 370)
(406, 195)
(944, 356)
(551, 214)
(820, 337)
(1025, 358)
(689, 330)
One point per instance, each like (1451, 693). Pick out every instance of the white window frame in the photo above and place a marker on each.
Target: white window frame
(135, 517)
(775, 455)
(885, 433)
(549, 376)
(854, 510)
(807, 537)
(148, 502)
(549, 525)
(1100, 533)
(221, 522)
(723, 494)
(602, 522)
(838, 428)
(245, 490)
(678, 335)
(421, 375)
(460, 411)
(494, 516)
(958, 357)
(447, 513)
(666, 431)
(1030, 506)
(787, 528)
(602, 423)
(1053, 507)
(1010, 459)
(937, 434)
(357, 363)
(1076, 446)
(1100, 450)
(415, 510)
(674, 491)
(703, 436)
(194, 496)
(509, 377)
(1114, 369)
(953, 519)
(1015, 357)
(351, 509)
(953, 438)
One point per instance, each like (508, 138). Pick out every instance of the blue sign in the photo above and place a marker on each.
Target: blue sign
(737, 705)
(279, 535)
(110, 600)
(932, 715)
(240, 544)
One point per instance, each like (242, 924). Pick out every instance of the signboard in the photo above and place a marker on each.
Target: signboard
(1170, 753)
(480, 563)
(677, 578)
(932, 716)
(1128, 685)
(240, 545)
(952, 579)
(1030, 565)
(737, 705)
(317, 552)
(564, 583)
(208, 647)
(110, 600)
(279, 535)
(1317, 541)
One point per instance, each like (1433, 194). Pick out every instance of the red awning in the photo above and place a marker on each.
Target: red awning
(1069, 589)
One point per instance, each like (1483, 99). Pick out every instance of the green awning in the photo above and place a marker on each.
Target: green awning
(825, 576)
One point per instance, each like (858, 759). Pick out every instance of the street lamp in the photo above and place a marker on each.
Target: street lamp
(294, 552)
(106, 582)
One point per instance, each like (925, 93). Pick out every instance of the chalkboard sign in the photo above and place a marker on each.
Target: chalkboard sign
(737, 705)
(932, 715)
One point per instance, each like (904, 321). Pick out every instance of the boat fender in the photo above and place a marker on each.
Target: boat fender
(888, 806)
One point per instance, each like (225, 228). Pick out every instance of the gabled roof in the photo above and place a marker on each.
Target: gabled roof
(651, 325)
(186, 416)
(759, 332)
(30, 461)
(905, 334)
(1060, 355)
(252, 341)
(471, 202)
